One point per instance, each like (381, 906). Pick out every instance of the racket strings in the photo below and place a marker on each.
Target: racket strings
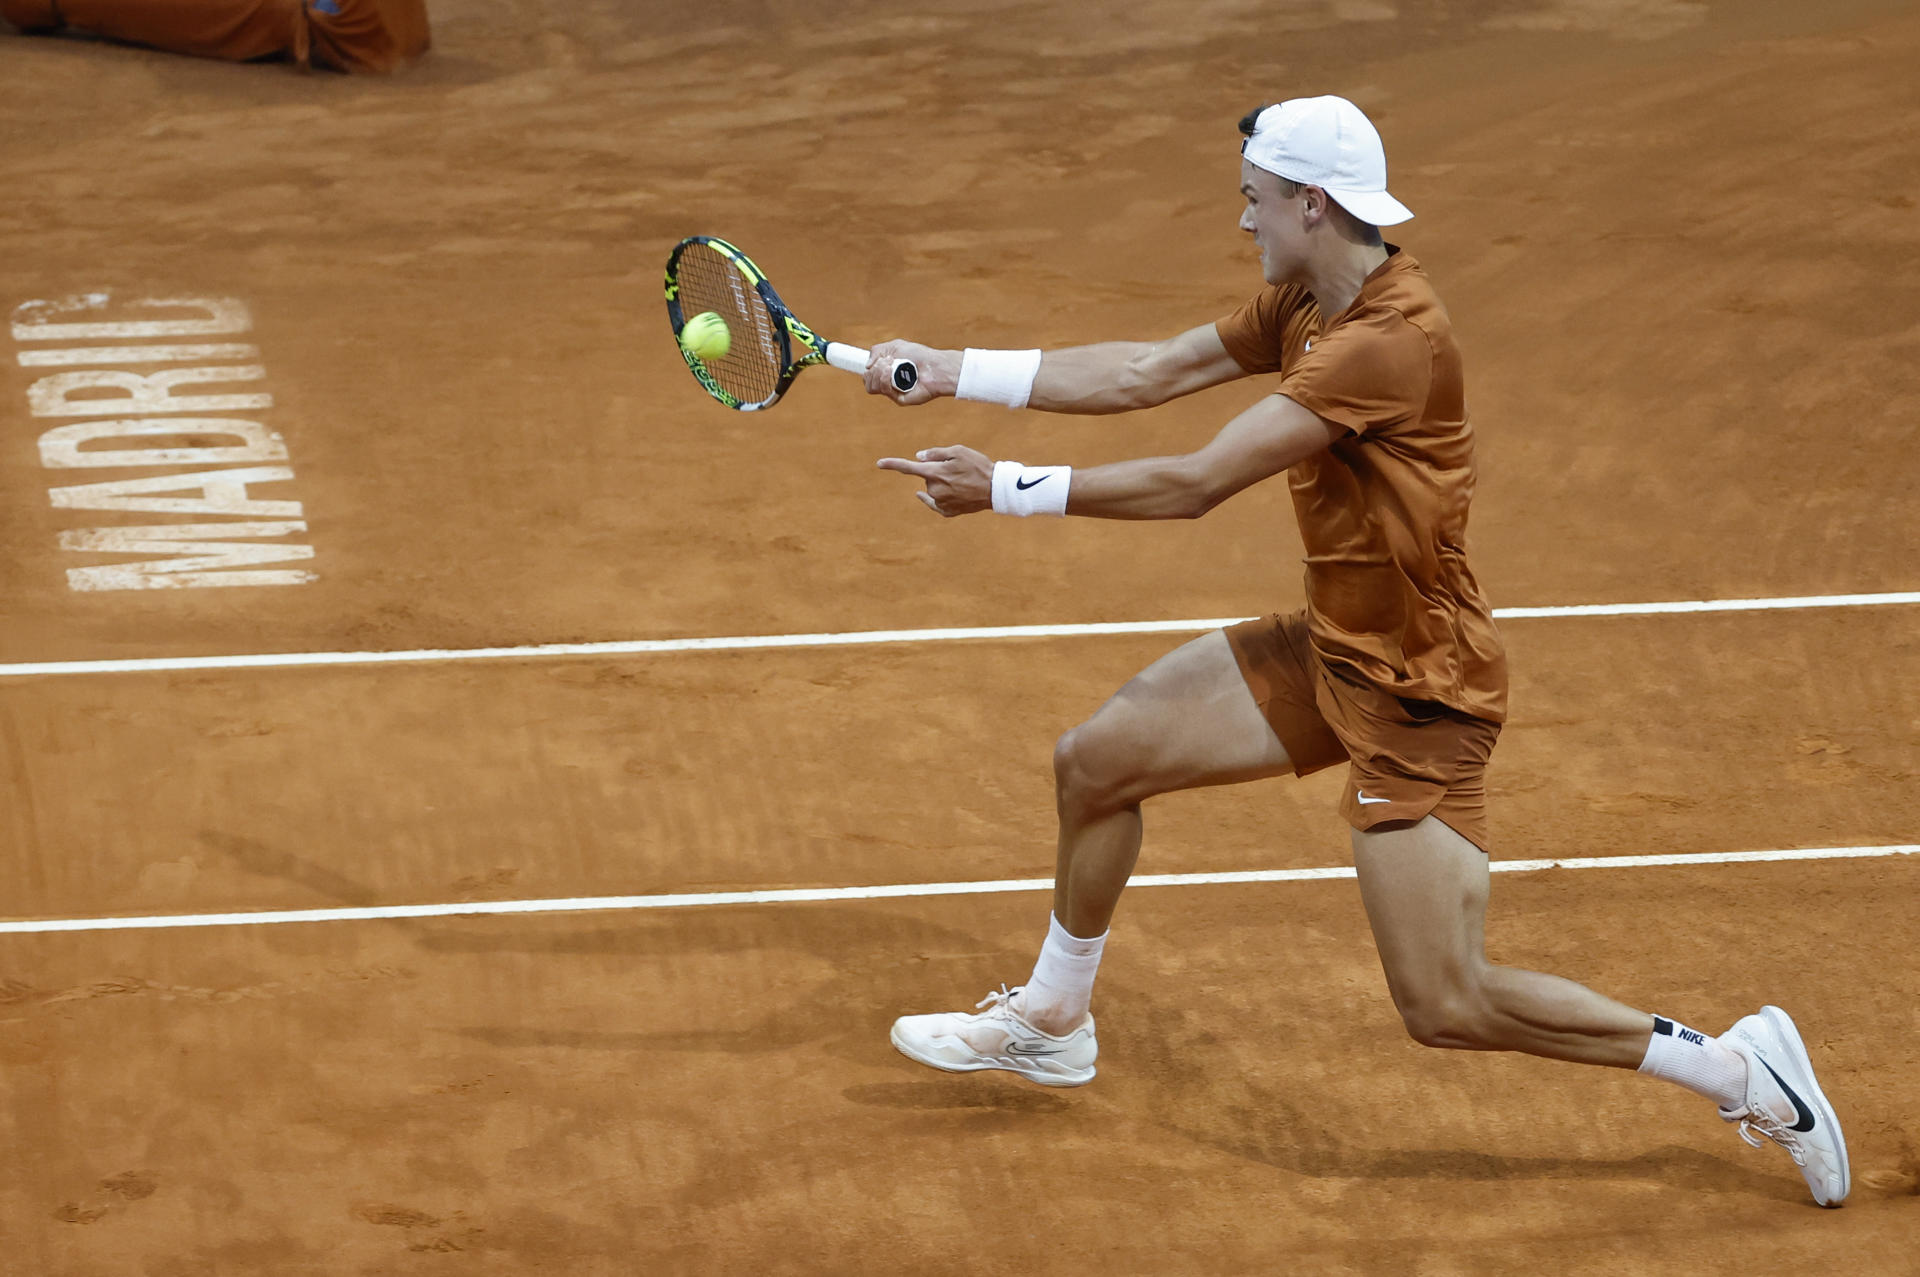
(750, 370)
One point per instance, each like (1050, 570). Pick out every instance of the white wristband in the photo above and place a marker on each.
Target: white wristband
(998, 376)
(1024, 490)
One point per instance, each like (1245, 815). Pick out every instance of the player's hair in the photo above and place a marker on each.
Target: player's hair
(1288, 187)
(1365, 232)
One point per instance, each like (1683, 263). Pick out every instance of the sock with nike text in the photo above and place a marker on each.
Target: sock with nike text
(1700, 1063)
(1061, 987)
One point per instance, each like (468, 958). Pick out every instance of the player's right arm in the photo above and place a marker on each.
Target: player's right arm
(1114, 376)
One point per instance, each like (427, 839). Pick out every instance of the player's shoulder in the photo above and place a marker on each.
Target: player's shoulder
(1379, 343)
(1381, 324)
(1403, 290)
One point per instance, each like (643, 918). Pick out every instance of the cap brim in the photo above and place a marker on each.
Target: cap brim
(1376, 208)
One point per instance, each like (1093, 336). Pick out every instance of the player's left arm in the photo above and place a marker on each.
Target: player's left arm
(1271, 436)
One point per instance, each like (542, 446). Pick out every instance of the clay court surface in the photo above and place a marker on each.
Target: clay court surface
(1677, 240)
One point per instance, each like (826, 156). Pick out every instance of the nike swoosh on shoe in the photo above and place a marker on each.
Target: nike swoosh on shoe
(1799, 1105)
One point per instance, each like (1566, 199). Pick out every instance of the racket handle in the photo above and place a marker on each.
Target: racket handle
(853, 359)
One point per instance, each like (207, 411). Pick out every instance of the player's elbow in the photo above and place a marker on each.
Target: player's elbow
(1196, 491)
(1197, 504)
(1142, 382)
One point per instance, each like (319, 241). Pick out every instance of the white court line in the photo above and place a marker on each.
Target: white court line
(800, 895)
(858, 637)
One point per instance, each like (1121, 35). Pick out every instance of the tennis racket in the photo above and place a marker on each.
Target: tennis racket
(769, 346)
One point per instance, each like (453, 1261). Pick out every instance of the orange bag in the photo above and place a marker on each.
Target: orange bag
(345, 35)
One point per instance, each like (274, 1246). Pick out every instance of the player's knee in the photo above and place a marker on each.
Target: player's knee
(1073, 779)
(1447, 1018)
(1088, 777)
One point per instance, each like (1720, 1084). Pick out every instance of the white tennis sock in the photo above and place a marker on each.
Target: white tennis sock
(1697, 1062)
(1061, 987)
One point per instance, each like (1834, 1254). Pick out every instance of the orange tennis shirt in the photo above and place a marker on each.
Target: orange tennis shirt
(1391, 601)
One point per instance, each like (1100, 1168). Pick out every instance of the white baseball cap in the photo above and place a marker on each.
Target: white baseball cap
(1327, 142)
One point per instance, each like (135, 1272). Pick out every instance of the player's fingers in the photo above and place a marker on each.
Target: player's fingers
(879, 374)
(904, 466)
(937, 454)
(878, 368)
(929, 502)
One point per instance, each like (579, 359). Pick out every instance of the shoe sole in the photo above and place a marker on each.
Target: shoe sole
(1782, 1023)
(1079, 1077)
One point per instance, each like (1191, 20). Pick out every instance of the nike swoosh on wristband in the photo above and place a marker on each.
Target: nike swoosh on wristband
(1023, 485)
(1800, 1106)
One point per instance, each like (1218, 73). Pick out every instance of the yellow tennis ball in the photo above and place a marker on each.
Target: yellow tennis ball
(706, 336)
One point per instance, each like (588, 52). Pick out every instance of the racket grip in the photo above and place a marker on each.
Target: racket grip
(853, 359)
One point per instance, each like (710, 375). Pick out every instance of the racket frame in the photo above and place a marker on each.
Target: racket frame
(787, 331)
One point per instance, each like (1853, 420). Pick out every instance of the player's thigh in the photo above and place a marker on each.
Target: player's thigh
(1425, 891)
(1184, 721)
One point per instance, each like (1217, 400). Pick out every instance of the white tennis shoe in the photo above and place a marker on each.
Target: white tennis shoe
(998, 1038)
(1784, 1103)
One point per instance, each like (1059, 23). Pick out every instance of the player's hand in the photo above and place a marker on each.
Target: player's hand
(959, 480)
(939, 371)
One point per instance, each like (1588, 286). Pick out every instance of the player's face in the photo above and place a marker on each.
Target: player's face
(1274, 221)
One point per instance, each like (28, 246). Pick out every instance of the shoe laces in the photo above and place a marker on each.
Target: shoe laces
(1775, 1130)
(1001, 1000)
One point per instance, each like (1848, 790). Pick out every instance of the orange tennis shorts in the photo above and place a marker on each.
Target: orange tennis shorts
(1405, 759)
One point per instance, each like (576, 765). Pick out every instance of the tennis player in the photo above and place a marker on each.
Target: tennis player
(1394, 666)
